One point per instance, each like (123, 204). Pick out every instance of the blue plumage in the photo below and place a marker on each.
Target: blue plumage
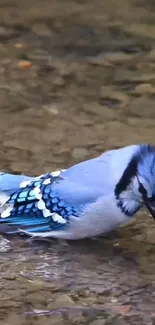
(88, 199)
(52, 214)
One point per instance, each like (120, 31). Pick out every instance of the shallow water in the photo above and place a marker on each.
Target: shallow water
(88, 84)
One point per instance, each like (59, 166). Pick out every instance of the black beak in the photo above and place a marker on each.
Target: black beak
(151, 207)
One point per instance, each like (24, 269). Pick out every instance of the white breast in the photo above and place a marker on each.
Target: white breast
(98, 218)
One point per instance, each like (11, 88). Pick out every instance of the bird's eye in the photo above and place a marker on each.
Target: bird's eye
(142, 189)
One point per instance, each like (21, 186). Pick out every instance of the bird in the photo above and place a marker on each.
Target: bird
(88, 199)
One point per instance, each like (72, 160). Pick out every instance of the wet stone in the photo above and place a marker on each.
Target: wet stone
(145, 88)
(41, 29)
(80, 153)
(142, 107)
(115, 98)
(61, 301)
(134, 316)
(52, 109)
(153, 318)
(54, 320)
(5, 245)
(151, 55)
(84, 293)
(98, 322)
(10, 277)
(117, 57)
(150, 236)
(6, 32)
(141, 29)
(100, 60)
(114, 300)
(101, 111)
(78, 319)
(101, 290)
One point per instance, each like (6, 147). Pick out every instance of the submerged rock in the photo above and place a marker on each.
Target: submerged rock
(5, 245)
(61, 301)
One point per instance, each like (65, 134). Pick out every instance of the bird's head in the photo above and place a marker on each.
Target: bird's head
(136, 188)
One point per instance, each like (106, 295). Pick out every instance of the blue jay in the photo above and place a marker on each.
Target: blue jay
(88, 199)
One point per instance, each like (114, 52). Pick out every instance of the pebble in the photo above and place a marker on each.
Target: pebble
(98, 322)
(144, 88)
(117, 57)
(140, 29)
(54, 320)
(120, 97)
(24, 64)
(102, 111)
(58, 81)
(62, 301)
(7, 32)
(150, 237)
(114, 300)
(19, 45)
(124, 309)
(106, 91)
(142, 107)
(151, 55)
(99, 60)
(10, 277)
(116, 245)
(136, 291)
(41, 29)
(101, 290)
(80, 153)
(5, 245)
(153, 318)
(134, 315)
(84, 293)
(52, 109)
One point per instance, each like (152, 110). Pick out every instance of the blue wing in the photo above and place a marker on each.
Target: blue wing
(36, 207)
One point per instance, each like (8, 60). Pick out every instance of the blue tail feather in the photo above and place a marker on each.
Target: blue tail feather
(38, 229)
(30, 207)
(29, 224)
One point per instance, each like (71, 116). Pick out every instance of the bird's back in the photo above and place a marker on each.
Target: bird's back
(101, 172)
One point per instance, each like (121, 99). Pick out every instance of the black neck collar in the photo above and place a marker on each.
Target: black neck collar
(128, 174)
